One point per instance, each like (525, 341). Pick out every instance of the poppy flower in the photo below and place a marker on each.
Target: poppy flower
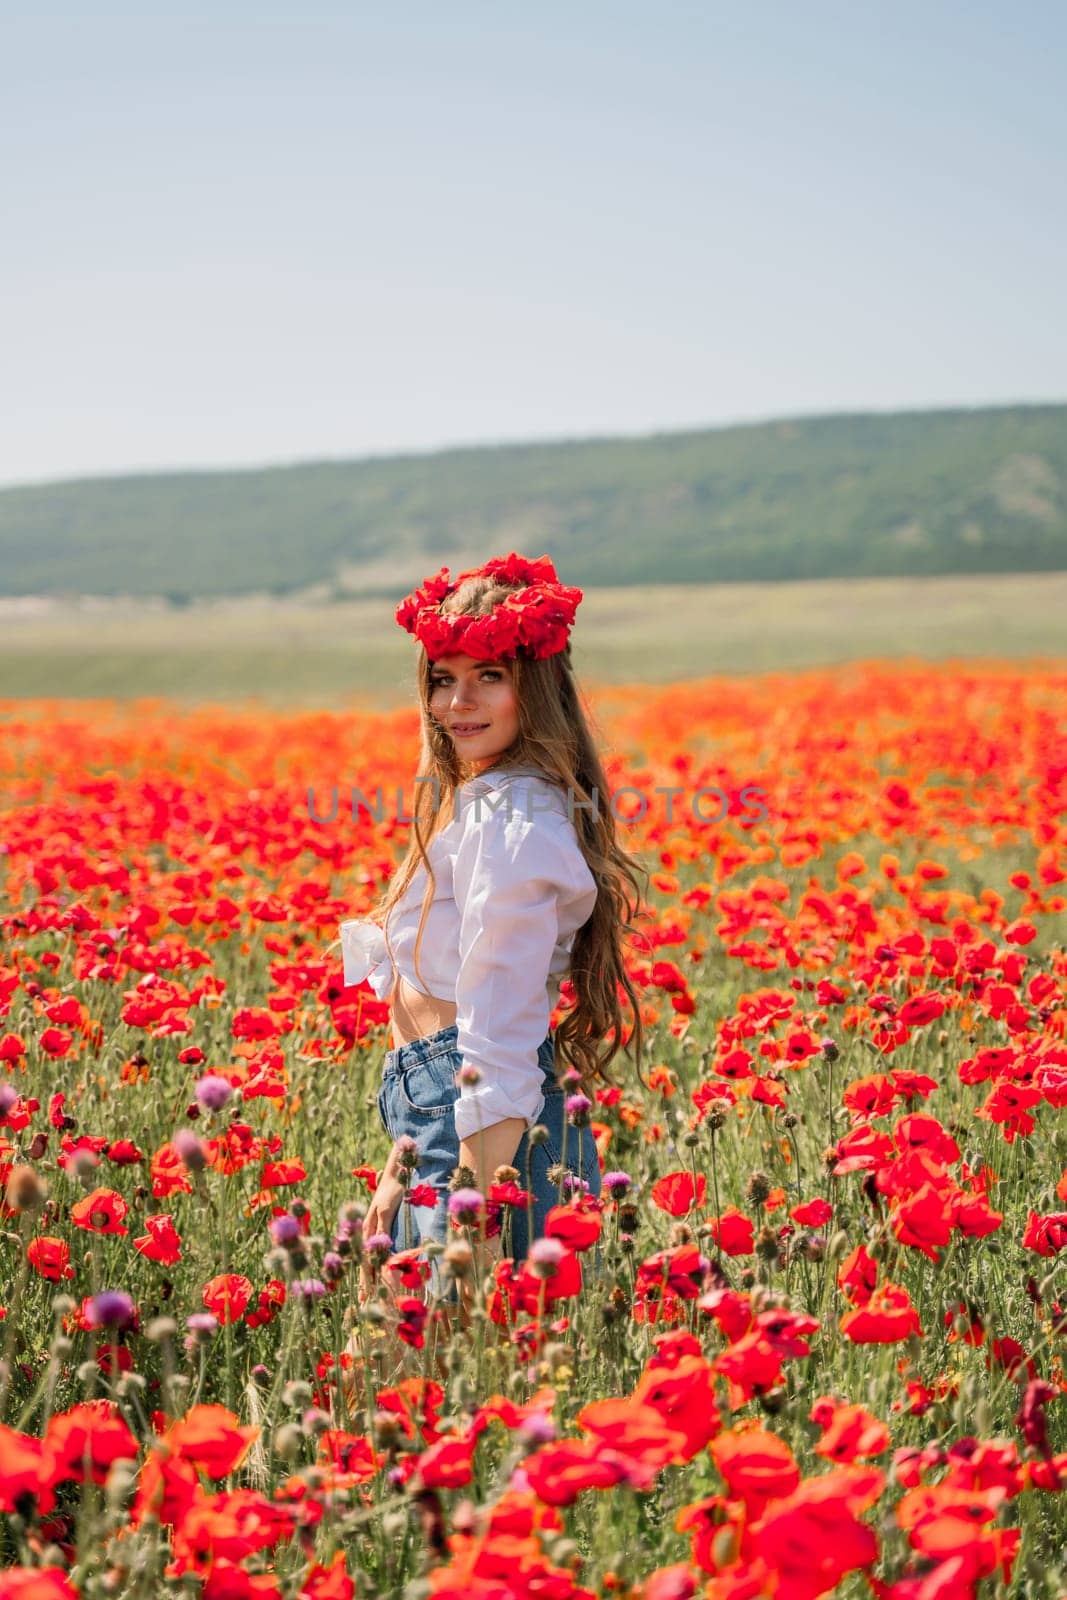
(558, 1473)
(36, 1583)
(577, 1226)
(328, 1583)
(227, 1296)
(212, 1438)
(756, 1466)
(1045, 1235)
(733, 1232)
(84, 1442)
(849, 1432)
(812, 1538)
(684, 1396)
(161, 1243)
(886, 1318)
(50, 1257)
(447, 1463)
(102, 1211)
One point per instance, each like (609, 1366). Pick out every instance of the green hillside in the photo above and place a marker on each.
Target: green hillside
(968, 491)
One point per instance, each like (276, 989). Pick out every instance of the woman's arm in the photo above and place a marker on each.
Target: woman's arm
(490, 1148)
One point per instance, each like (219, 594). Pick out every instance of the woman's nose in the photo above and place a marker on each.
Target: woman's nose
(462, 696)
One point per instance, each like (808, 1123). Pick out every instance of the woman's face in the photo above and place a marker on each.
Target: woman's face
(466, 694)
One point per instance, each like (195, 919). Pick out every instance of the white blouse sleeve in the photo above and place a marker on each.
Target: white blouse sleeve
(513, 878)
(365, 955)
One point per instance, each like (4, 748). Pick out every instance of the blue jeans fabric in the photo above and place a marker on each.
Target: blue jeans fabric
(417, 1097)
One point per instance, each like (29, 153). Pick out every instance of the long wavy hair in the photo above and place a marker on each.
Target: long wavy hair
(555, 736)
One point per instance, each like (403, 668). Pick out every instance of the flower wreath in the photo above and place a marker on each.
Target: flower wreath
(536, 618)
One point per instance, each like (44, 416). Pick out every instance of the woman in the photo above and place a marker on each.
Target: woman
(516, 880)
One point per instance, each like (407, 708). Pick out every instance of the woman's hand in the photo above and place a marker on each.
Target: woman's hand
(389, 1193)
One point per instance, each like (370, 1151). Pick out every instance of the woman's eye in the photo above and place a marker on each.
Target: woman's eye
(489, 672)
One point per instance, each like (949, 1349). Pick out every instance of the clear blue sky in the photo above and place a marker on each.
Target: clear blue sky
(233, 235)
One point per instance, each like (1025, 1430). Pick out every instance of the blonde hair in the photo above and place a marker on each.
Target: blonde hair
(555, 736)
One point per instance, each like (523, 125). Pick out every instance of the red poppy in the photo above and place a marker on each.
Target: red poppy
(1046, 1235)
(559, 1473)
(813, 1537)
(813, 1213)
(678, 1192)
(578, 1226)
(277, 1173)
(87, 1440)
(50, 1257)
(733, 1232)
(412, 1315)
(886, 1318)
(448, 1462)
(36, 1583)
(328, 1583)
(100, 1212)
(756, 1466)
(169, 1174)
(161, 1243)
(227, 1296)
(683, 1394)
(212, 1438)
(124, 1153)
(857, 1276)
(849, 1431)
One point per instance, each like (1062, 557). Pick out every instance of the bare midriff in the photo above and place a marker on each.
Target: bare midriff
(415, 1015)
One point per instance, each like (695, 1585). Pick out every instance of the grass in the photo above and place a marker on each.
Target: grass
(293, 654)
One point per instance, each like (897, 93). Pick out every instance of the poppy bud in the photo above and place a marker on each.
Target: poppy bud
(26, 1189)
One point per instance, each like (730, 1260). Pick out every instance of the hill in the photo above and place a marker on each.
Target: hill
(906, 494)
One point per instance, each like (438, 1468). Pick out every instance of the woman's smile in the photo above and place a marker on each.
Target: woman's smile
(475, 702)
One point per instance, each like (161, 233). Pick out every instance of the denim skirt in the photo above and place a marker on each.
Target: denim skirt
(417, 1097)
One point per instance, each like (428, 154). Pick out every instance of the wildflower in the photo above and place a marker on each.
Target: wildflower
(285, 1230)
(465, 1206)
(202, 1326)
(102, 1211)
(545, 1256)
(213, 1092)
(227, 1296)
(189, 1150)
(162, 1242)
(578, 1107)
(308, 1288)
(616, 1184)
(679, 1192)
(50, 1258)
(111, 1308)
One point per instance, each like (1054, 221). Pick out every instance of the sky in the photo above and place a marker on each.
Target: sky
(237, 235)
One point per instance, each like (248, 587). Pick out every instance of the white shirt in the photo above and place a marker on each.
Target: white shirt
(512, 889)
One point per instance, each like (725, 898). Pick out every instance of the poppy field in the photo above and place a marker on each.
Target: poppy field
(810, 1340)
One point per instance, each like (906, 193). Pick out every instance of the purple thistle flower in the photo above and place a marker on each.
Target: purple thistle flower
(190, 1150)
(111, 1308)
(545, 1256)
(379, 1242)
(466, 1205)
(202, 1322)
(213, 1091)
(538, 1428)
(284, 1229)
(616, 1183)
(578, 1109)
(309, 1288)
